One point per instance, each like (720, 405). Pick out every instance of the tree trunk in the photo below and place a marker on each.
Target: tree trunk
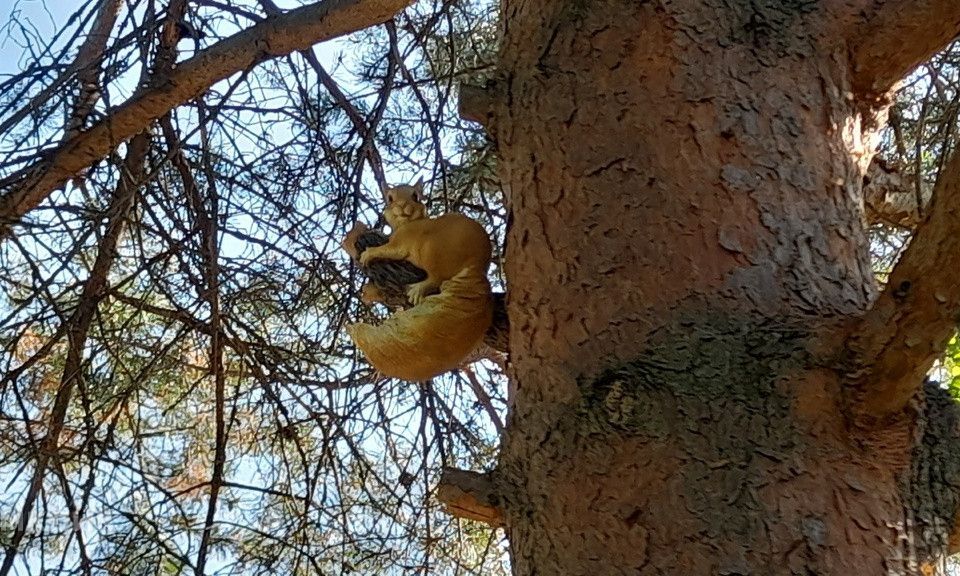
(686, 253)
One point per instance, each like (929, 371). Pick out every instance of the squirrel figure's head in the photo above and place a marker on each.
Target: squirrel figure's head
(404, 203)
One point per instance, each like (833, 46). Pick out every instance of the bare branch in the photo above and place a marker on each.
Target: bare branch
(94, 290)
(275, 36)
(87, 64)
(209, 232)
(908, 327)
(484, 400)
(369, 147)
(896, 38)
(217, 341)
(890, 198)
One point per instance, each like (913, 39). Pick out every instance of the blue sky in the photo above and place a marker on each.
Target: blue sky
(44, 16)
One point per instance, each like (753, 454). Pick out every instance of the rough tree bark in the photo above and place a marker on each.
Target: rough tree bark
(697, 363)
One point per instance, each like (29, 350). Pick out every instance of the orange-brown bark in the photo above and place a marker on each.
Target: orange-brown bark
(895, 37)
(909, 325)
(686, 195)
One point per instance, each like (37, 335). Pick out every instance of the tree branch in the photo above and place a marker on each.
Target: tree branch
(88, 63)
(369, 147)
(85, 68)
(890, 197)
(896, 38)
(274, 36)
(94, 290)
(477, 103)
(471, 495)
(909, 325)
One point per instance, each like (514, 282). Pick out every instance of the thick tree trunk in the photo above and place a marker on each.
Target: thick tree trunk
(687, 239)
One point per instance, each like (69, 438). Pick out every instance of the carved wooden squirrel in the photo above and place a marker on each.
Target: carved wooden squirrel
(388, 281)
(441, 329)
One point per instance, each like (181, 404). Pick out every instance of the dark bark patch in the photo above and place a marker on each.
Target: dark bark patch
(716, 392)
(932, 489)
(771, 25)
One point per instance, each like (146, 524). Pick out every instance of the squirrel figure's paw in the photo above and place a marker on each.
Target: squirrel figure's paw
(418, 292)
(370, 295)
(365, 257)
(349, 242)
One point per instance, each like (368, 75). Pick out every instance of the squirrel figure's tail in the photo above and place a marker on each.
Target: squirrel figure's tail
(433, 336)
